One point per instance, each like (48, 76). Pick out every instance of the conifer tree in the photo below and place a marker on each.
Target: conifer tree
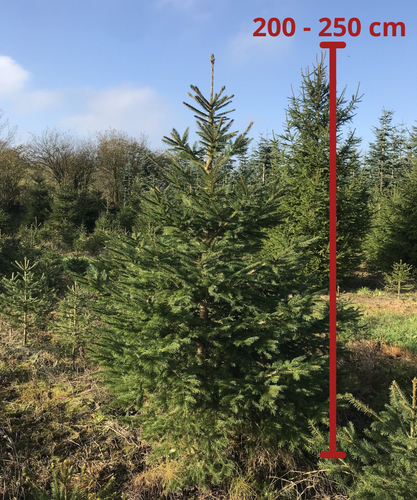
(386, 161)
(412, 146)
(213, 345)
(261, 161)
(305, 176)
(38, 204)
(382, 464)
(400, 278)
(388, 166)
(4, 217)
(393, 236)
(24, 298)
(74, 321)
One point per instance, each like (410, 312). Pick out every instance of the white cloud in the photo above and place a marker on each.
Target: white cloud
(12, 76)
(37, 100)
(134, 110)
(245, 47)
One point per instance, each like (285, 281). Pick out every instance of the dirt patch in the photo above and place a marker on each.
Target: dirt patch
(368, 349)
(370, 367)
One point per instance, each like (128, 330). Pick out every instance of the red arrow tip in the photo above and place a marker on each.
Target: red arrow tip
(332, 454)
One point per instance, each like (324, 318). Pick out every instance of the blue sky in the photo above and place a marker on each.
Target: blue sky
(90, 65)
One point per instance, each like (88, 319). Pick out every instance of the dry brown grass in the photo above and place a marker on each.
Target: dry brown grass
(375, 304)
(52, 409)
(49, 410)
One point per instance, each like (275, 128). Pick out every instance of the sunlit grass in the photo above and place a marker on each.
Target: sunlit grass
(387, 319)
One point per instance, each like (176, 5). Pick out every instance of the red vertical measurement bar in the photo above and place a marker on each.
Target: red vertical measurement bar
(332, 453)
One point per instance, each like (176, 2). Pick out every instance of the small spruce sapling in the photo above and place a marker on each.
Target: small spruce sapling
(74, 321)
(400, 278)
(25, 298)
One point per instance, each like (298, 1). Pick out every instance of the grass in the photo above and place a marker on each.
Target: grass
(388, 320)
(51, 410)
(386, 348)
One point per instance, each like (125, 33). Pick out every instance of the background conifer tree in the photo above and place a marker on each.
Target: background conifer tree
(387, 160)
(400, 278)
(214, 345)
(38, 203)
(24, 298)
(393, 236)
(74, 321)
(305, 176)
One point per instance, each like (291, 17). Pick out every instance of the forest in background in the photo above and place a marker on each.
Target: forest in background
(164, 314)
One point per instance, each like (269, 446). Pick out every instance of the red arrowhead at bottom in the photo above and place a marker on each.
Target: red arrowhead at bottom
(332, 454)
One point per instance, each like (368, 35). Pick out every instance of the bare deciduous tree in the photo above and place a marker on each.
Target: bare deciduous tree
(7, 133)
(12, 172)
(121, 159)
(67, 158)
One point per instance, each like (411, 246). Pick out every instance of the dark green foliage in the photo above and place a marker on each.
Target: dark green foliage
(90, 205)
(4, 218)
(387, 160)
(126, 218)
(304, 176)
(50, 265)
(38, 203)
(412, 145)
(393, 235)
(65, 215)
(76, 265)
(72, 209)
(380, 465)
(388, 165)
(11, 249)
(263, 162)
(207, 341)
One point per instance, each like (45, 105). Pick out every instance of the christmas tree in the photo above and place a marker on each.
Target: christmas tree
(305, 177)
(214, 345)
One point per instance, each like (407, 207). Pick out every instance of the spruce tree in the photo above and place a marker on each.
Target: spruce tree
(38, 204)
(387, 160)
(393, 236)
(212, 344)
(74, 321)
(382, 463)
(305, 176)
(24, 298)
(412, 146)
(262, 160)
(400, 278)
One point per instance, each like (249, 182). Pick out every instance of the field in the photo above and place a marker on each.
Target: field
(53, 409)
